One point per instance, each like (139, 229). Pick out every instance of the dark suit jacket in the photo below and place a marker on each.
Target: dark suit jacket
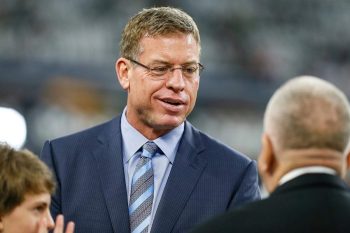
(308, 204)
(207, 178)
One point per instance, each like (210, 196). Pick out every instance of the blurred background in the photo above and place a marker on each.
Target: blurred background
(57, 62)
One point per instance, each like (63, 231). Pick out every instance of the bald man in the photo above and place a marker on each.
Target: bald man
(305, 155)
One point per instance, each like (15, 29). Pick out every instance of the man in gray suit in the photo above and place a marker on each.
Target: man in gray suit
(305, 153)
(149, 169)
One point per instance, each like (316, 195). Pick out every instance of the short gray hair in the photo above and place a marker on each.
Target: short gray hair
(308, 112)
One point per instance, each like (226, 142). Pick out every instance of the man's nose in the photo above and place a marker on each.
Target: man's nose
(176, 79)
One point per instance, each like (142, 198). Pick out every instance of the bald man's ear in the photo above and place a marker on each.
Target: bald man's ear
(267, 162)
(266, 159)
(122, 70)
(345, 166)
(348, 161)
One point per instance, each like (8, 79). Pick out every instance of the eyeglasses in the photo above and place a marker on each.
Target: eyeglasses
(158, 71)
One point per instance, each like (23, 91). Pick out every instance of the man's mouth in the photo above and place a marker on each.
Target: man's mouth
(175, 102)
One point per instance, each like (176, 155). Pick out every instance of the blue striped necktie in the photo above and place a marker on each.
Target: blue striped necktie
(141, 196)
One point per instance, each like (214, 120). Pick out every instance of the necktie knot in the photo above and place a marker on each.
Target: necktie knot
(149, 149)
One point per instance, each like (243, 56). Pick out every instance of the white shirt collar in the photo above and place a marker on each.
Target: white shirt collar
(305, 170)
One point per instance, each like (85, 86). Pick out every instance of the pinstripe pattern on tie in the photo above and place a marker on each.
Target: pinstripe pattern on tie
(141, 196)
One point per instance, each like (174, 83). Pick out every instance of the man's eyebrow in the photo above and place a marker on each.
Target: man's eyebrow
(190, 63)
(170, 64)
(161, 62)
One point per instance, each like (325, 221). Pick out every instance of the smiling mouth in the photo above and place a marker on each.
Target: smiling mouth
(172, 102)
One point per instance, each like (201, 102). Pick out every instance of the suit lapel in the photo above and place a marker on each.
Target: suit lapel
(109, 163)
(183, 177)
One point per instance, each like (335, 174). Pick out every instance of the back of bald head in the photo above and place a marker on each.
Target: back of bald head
(308, 112)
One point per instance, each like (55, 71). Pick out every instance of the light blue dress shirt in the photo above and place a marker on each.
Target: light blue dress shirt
(162, 163)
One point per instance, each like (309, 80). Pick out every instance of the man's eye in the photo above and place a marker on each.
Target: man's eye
(190, 69)
(160, 69)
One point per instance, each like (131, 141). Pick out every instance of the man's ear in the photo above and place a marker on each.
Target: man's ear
(266, 159)
(348, 161)
(267, 162)
(122, 70)
(345, 166)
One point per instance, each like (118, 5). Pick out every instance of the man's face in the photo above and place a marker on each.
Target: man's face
(27, 217)
(156, 106)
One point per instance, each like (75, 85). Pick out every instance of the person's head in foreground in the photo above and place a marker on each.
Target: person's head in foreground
(306, 123)
(25, 188)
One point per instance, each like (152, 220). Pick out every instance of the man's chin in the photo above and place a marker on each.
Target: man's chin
(169, 123)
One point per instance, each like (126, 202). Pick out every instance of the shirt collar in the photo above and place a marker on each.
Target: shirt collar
(133, 140)
(305, 170)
